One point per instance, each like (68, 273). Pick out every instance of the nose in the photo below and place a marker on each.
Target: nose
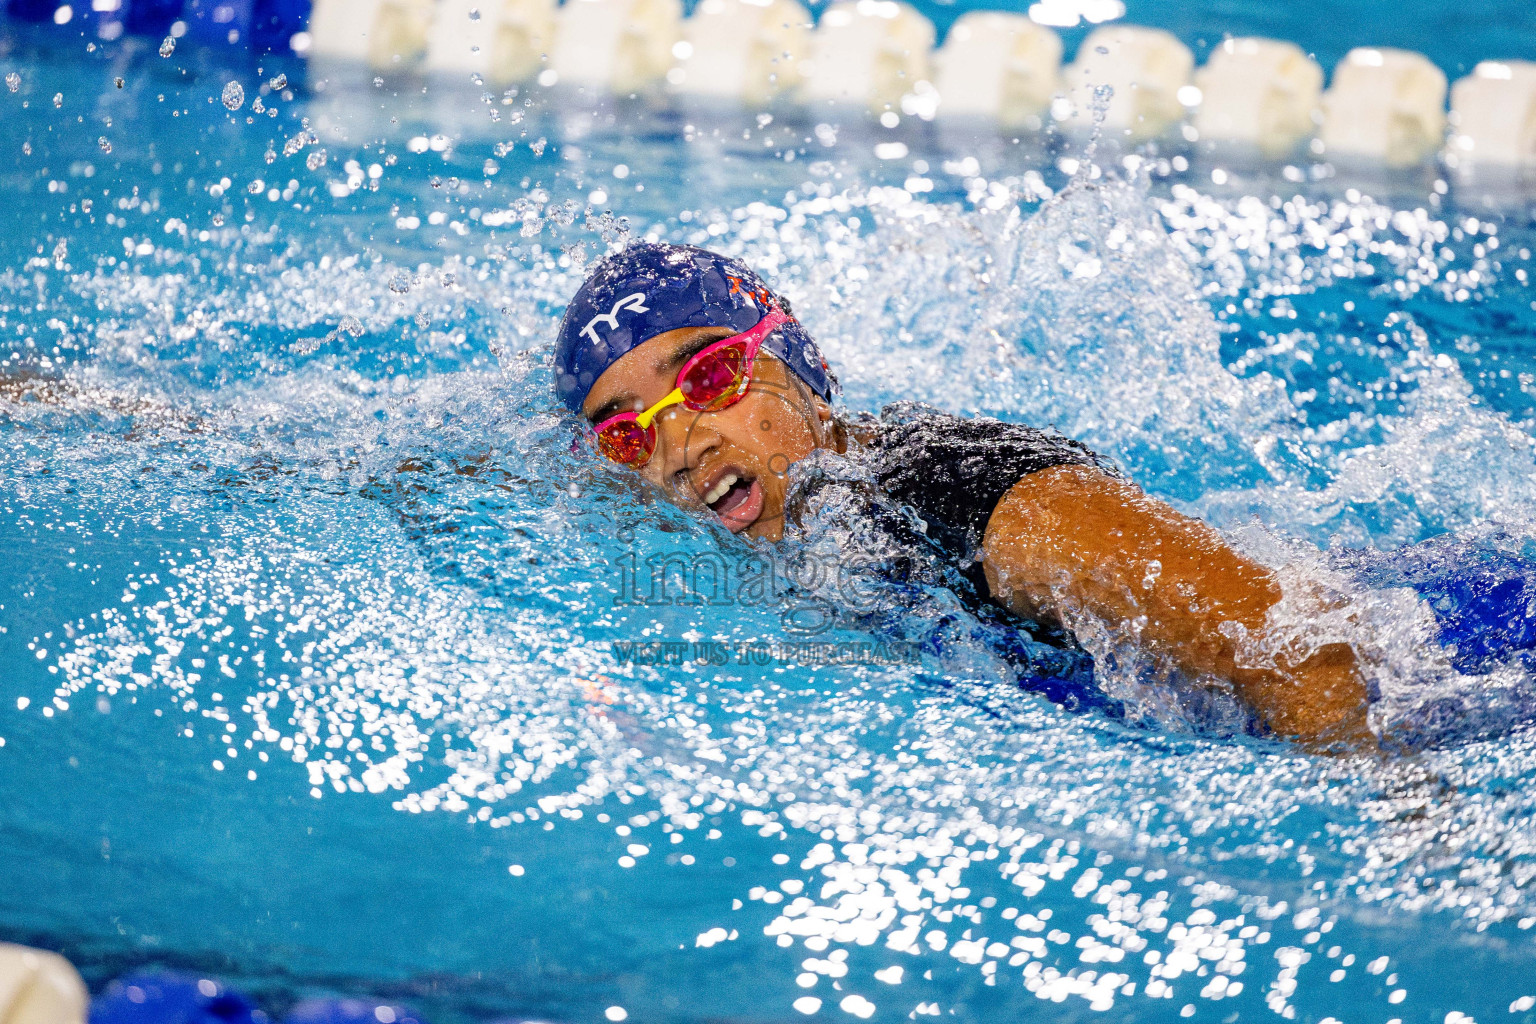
(682, 439)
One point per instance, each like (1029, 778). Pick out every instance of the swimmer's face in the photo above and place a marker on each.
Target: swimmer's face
(775, 424)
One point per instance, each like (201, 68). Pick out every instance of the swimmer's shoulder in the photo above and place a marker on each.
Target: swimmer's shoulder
(954, 470)
(913, 440)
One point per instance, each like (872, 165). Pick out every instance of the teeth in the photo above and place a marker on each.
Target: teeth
(718, 491)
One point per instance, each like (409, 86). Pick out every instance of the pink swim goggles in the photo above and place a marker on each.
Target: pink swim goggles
(712, 380)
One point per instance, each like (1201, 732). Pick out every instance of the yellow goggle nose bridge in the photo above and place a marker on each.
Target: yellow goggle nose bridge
(645, 418)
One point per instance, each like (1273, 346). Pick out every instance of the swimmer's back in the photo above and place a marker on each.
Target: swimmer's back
(954, 470)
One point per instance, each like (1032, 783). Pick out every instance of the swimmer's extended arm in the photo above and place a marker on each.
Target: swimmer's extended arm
(1072, 538)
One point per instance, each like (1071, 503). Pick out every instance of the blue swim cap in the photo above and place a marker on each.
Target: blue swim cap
(651, 288)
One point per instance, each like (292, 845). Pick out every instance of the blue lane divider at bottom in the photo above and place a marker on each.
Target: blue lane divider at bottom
(168, 998)
(349, 1011)
(172, 999)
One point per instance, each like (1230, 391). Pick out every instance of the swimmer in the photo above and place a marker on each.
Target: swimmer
(692, 373)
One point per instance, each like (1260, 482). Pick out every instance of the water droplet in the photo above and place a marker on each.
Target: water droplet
(315, 160)
(764, 120)
(58, 99)
(13, 81)
(168, 47)
(538, 147)
(474, 14)
(26, 149)
(106, 146)
(234, 95)
(119, 82)
(378, 83)
(351, 325)
(279, 83)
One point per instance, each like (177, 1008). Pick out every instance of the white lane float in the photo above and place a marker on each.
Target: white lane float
(617, 46)
(384, 34)
(1260, 93)
(501, 40)
(1384, 106)
(744, 50)
(997, 66)
(868, 53)
(1493, 116)
(1146, 68)
(38, 987)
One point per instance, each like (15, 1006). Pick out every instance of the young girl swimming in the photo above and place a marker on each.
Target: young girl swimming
(699, 378)
(695, 375)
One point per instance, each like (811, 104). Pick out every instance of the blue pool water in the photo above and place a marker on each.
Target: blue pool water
(313, 626)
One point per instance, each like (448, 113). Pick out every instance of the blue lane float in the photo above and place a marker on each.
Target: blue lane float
(185, 999)
(350, 1011)
(172, 999)
(265, 25)
(260, 25)
(151, 17)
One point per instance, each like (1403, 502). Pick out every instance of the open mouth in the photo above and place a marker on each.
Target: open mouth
(737, 499)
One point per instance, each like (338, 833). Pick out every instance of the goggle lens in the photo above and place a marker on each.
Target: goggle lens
(627, 442)
(714, 380)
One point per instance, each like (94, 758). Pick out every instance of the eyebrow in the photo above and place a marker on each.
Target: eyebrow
(663, 365)
(686, 352)
(613, 408)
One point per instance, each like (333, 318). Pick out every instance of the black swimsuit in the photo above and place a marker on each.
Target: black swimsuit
(951, 471)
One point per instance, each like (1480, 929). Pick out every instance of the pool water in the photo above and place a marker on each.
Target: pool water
(317, 636)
